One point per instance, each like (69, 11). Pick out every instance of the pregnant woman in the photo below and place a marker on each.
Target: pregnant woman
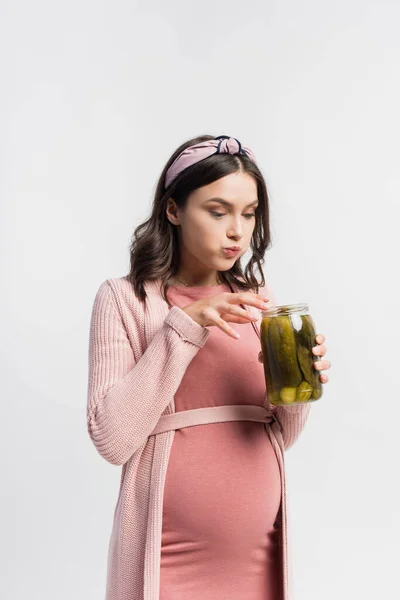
(176, 391)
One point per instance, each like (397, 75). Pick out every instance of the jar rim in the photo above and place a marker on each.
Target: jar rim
(286, 309)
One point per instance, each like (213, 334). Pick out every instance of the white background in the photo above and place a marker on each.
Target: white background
(95, 96)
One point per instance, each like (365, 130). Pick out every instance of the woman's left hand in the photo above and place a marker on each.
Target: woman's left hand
(319, 350)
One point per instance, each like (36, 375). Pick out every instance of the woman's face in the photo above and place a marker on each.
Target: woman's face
(208, 226)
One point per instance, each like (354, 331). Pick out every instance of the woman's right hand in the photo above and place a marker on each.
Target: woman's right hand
(222, 308)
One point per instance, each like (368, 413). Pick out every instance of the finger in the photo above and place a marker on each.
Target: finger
(250, 299)
(236, 319)
(320, 350)
(231, 310)
(324, 378)
(320, 338)
(320, 365)
(223, 325)
(262, 296)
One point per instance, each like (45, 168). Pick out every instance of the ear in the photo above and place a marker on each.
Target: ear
(172, 211)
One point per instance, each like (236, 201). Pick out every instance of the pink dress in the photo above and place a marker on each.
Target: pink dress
(223, 489)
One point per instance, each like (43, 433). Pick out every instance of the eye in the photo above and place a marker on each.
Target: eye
(216, 214)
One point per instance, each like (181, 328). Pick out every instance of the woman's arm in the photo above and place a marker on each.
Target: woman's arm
(126, 398)
(292, 420)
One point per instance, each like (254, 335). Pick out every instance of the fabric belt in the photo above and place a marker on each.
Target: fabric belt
(213, 414)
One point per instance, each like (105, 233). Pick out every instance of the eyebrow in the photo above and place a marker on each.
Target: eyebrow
(226, 203)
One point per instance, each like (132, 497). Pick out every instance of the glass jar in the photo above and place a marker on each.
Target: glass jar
(287, 338)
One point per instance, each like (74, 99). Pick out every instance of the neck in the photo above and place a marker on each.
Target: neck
(192, 282)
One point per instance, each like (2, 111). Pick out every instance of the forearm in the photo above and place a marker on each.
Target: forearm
(126, 398)
(292, 420)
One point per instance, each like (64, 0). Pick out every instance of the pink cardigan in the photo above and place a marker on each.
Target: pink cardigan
(137, 359)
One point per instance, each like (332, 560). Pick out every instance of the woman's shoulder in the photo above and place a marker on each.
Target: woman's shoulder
(115, 290)
(114, 286)
(123, 292)
(120, 285)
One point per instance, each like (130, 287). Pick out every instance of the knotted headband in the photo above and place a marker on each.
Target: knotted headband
(193, 154)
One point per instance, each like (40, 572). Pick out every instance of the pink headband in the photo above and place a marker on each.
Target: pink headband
(198, 152)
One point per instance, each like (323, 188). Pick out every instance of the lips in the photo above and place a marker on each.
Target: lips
(229, 252)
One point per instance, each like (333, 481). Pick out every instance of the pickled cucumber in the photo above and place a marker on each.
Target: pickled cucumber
(274, 398)
(288, 394)
(306, 335)
(306, 360)
(266, 360)
(283, 342)
(304, 392)
(270, 357)
(317, 392)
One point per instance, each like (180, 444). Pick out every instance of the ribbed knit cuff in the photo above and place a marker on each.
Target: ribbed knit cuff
(186, 327)
(294, 410)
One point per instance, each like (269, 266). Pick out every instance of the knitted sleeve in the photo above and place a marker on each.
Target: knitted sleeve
(125, 399)
(292, 419)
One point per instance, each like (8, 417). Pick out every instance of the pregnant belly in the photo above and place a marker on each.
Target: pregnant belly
(222, 494)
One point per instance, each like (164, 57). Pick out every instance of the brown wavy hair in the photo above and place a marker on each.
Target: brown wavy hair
(154, 249)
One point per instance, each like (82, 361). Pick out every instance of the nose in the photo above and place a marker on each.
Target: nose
(235, 230)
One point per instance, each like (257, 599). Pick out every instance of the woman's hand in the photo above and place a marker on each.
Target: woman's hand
(222, 308)
(319, 350)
